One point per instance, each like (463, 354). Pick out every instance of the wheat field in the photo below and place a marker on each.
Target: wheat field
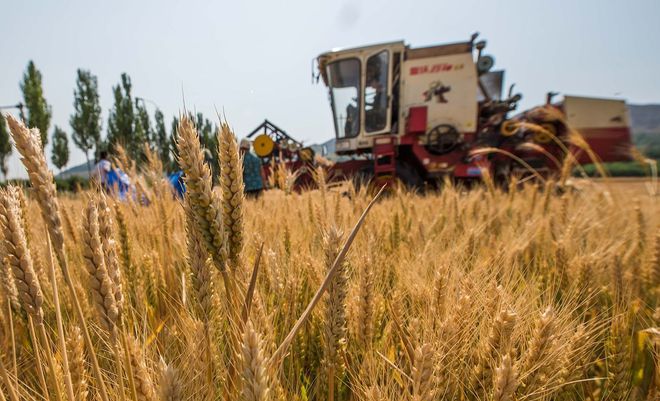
(537, 292)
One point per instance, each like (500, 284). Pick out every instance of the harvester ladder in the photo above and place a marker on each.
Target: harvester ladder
(384, 160)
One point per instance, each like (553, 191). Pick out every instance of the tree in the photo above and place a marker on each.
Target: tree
(161, 140)
(142, 131)
(86, 119)
(121, 122)
(5, 146)
(39, 112)
(60, 151)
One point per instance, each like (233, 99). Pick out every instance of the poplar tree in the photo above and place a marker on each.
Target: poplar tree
(161, 140)
(5, 146)
(39, 112)
(121, 122)
(86, 119)
(60, 151)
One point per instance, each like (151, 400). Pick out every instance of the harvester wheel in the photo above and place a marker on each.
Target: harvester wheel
(442, 139)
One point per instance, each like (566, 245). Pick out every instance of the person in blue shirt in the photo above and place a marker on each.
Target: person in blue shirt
(252, 173)
(176, 181)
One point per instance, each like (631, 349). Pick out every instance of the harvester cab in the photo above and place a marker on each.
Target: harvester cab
(413, 113)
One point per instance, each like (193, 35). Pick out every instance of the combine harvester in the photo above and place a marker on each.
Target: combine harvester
(420, 115)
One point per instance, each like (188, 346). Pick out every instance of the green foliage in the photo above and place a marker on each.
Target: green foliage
(161, 140)
(39, 112)
(143, 131)
(86, 119)
(648, 144)
(60, 151)
(121, 122)
(619, 169)
(5, 145)
(71, 184)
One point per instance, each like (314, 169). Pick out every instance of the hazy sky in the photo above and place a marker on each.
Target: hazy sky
(253, 59)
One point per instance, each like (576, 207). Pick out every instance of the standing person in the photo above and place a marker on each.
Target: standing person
(101, 170)
(252, 178)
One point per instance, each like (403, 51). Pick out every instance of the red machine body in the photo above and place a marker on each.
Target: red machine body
(421, 114)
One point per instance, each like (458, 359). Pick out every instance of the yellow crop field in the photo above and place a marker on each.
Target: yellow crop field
(537, 292)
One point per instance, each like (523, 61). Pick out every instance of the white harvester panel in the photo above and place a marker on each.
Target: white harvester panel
(446, 85)
(587, 112)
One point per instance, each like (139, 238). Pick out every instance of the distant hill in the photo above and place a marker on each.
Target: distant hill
(645, 118)
(77, 171)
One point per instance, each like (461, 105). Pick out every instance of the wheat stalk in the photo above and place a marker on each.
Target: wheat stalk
(29, 146)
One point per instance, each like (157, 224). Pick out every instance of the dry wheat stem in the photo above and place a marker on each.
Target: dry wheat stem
(280, 352)
(13, 396)
(28, 144)
(60, 326)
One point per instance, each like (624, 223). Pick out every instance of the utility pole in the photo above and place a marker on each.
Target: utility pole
(20, 106)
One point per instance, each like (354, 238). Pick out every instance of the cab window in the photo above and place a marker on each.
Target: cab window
(375, 92)
(344, 85)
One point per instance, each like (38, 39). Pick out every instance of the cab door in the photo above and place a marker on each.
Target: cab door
(377, 94)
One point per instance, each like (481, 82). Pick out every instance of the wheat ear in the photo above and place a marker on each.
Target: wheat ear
(201, 279)
(8, 284)
(107, 235)
(231, 181)
(506, 380)
(29, 146)
(18, 256)
(495, 345)
(202, 283)
(618, 359)
(143, 383)
(365, 306)
(170, 385)
(103, 291)
(101, 285)
(207, 211)
(204, 204)
(76, 351)
(540, 345)
(422, 371)
(256, 384)
(335, 310)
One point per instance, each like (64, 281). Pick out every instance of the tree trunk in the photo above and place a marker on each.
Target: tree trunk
(89, 169)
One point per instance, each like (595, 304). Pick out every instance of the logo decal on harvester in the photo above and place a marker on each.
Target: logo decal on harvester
(443, 67)
(436, 90)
